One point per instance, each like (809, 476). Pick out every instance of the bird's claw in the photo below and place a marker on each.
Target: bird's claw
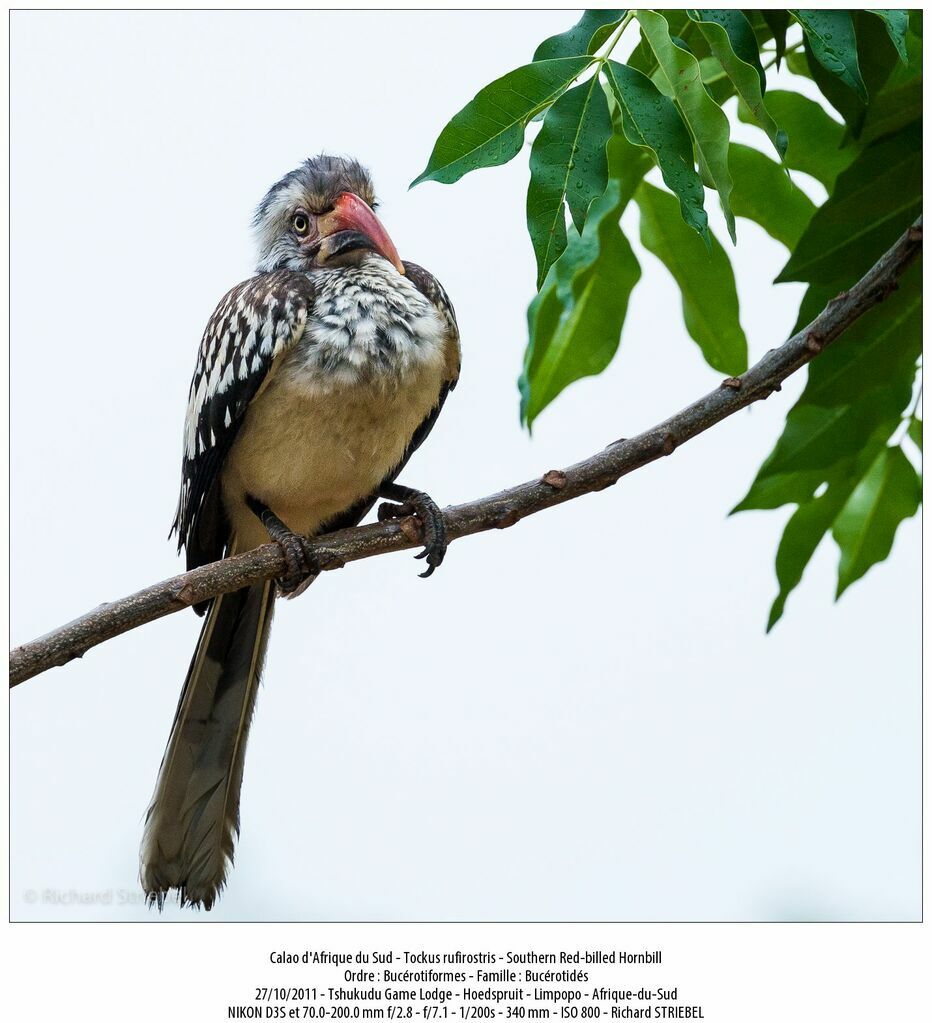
(301, 566)
(434, 530)
(388, 511)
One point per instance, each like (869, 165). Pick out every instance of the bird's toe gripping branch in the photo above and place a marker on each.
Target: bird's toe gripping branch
(302, 567)
(421, 505)
(301, 564)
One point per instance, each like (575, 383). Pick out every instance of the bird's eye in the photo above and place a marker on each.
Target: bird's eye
(300, 224)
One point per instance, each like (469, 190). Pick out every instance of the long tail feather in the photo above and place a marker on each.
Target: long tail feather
(193, 819)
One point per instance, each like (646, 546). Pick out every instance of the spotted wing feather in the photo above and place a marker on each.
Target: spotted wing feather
(252, 325)
(430, 287)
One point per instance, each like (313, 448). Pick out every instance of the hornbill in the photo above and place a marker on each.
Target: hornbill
(316, 380)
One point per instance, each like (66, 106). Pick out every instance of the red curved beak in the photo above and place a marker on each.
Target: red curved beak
(350, 213)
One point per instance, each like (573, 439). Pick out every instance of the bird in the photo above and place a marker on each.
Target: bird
(316, 380)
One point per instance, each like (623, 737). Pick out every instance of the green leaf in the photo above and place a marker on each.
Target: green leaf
(575, 322)
(879, 350)
(777, 22)
(818, 437)
(912, 68)
(815, 139)
(874, 200)
(717, 83)
(643, 58)
(856, 391)
(815, 517)
(831, 36)
(543, 319)
(680, 79)
(705, 279)
(780, 488)
(892, 110)
(586, 36)
(802, 535)
(845, 100)
(899, 102)
(650, 120)
(897, 25)
(877, 59)
(864, 530)
(915, 431)
(628, 163)
(568, 164)
(727, 33)
(489, 130)
(797, 62)
(764, 193)
(739, 33)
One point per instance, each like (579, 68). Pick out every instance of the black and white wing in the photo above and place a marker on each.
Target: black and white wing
(431, 288)
(253, 324)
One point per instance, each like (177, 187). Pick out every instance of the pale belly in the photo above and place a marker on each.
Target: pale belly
(310, 452)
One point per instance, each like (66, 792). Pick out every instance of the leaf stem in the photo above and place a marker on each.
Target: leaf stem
(790, 49)
(719, 75)
(598, 60)
(625, 22)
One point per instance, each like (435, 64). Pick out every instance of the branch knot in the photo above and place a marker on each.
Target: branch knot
(555, 479)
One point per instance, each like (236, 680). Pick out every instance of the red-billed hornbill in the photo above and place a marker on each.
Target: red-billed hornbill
(316, 380)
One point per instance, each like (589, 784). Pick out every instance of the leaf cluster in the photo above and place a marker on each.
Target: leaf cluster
(654, 130)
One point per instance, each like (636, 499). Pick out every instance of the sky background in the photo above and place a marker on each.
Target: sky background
(577, 718)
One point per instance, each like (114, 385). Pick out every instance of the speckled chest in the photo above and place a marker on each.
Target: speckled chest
(368, 323)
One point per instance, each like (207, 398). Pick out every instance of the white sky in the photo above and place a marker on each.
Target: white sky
(578, 718)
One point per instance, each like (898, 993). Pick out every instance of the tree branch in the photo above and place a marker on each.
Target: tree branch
(498, 511)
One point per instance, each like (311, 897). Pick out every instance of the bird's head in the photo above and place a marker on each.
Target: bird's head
(320, 215)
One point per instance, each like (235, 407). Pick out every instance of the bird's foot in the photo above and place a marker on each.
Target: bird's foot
(425, 509)
(301, 564)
